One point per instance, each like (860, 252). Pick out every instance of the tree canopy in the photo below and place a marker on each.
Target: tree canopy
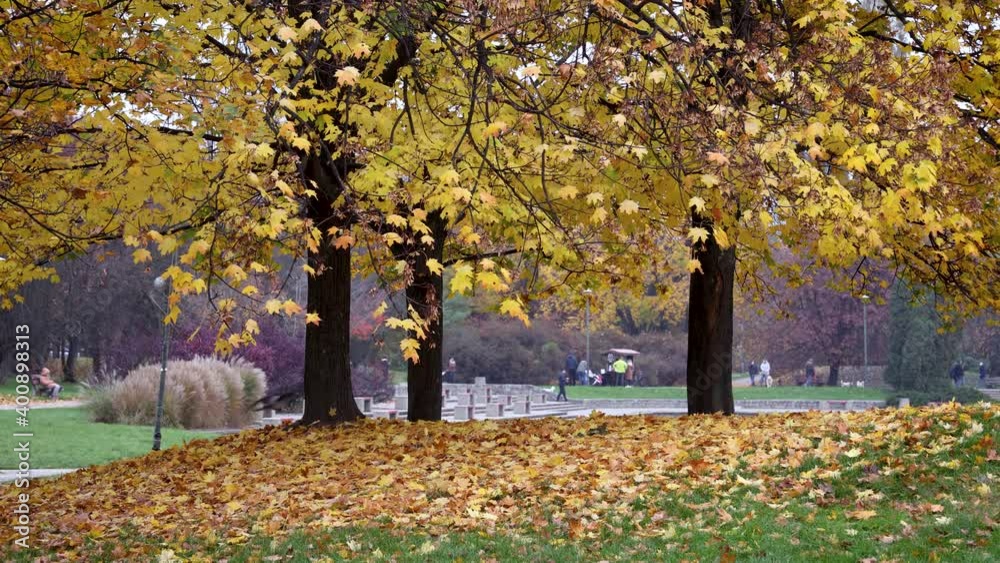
(497, 137)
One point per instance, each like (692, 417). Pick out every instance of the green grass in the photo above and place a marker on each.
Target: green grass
(66, 437)
(818, 393)
(69, 390)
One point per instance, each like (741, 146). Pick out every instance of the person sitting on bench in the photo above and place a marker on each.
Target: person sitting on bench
(45, 386)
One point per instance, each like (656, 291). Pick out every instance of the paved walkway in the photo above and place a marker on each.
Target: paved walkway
(8, 475)
(47, 404)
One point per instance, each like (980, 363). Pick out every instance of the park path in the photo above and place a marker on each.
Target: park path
(8, 475)
(72, 403)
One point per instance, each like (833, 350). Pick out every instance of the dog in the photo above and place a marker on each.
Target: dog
(768, 381)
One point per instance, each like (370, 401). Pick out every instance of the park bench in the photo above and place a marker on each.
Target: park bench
(38, 390)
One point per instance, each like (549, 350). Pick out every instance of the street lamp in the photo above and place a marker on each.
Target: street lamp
(162, 285)
(588, 293)
(864, 314)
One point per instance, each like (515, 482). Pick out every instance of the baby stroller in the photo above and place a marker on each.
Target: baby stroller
(597, 378)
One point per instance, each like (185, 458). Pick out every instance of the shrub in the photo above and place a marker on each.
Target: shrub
(505, 351)
(279, 350)
(963, 395)
(84, 369)
(199, 393)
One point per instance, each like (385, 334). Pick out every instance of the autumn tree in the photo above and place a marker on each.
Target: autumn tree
(746, 124)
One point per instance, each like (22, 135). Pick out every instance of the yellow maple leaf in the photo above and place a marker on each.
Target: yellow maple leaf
(434, 266)
(286, 34)
(568, 192)
(697, 234)
(449, 177)
(347, 76)
(309, 26)
(273, 306)
(141, 255)
(628, 207)
(721, 237)
(513, 308)
(409, 347)
(312, 319)
(251, 327)
(697, 203)
(344, 241)
(290, 307)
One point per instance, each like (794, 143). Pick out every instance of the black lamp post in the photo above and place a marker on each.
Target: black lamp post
(164, 286)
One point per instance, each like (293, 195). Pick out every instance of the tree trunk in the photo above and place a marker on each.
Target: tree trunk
(329, 395)
(426, 295)
(710, 327)
(97, 360)
(73, 351)
(834, 379)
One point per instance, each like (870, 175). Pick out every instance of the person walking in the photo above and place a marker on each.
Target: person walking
(810, 373)
(752, 371)
(957, 374)
(620, 367)
(563, 376)
(571, 364)
(582, 373)
(765, 372)
(982, 375)
(630, 374)
(450, 373)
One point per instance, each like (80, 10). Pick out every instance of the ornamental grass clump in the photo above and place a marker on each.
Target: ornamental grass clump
(199, 393)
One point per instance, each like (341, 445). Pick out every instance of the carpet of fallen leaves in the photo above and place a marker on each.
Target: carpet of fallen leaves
(486, 475)
(11, 400)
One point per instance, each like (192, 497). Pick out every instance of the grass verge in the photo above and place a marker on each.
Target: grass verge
(66, 437)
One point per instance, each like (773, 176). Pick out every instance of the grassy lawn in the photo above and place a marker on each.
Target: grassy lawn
(68, 438)
(798, 532)
(69, 390)
(892, 484)
(584, 392)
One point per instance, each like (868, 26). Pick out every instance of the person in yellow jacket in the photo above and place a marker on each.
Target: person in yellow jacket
(620, 366)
